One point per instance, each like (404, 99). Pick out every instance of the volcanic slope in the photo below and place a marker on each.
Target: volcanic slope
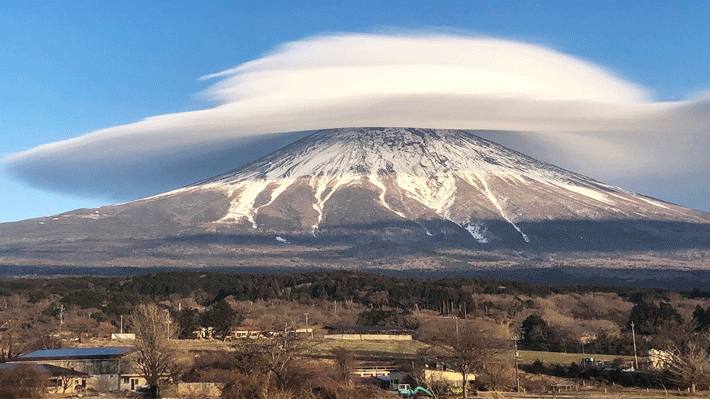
(423, 187)
(378, 176)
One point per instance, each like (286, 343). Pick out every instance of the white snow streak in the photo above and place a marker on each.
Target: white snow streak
(477, 232)
(274, 194)
(587, 192)
(243, 206)
(320, 184)
(652, 202)
(383, 190)
(489, 194)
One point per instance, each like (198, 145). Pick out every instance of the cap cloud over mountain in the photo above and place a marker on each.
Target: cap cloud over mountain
(542, 101)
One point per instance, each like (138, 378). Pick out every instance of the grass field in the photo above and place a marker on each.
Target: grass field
(409, 349)
(562, 358)
(391, 349)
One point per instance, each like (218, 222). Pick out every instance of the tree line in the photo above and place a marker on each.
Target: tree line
(118, 295)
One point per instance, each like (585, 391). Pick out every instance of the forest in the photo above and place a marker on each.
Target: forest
(577, 318)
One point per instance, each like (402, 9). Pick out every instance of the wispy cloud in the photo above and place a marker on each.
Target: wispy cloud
(565, 110)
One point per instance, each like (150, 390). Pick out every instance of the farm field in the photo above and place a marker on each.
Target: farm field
(384, 349)
(374, 349)
(408, 349)
(562, 358)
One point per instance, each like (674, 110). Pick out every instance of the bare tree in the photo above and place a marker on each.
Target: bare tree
(281, 356)
(82, 326)
(278, 356)
(8, 340)
(23, 381)
(470, 347)
(345, 363)
(690, 364)
(15, 317)
(66, 381)
(157, 356)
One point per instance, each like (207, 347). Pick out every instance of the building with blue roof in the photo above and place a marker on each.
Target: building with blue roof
(111, 368)
(109, 352)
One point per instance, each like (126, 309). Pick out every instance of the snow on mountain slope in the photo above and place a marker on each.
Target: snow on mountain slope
(366, 175)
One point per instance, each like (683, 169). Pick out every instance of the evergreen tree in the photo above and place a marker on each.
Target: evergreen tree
(222, 318)
(650, 319)
(535, 332)
(188, 321)
(701, 318)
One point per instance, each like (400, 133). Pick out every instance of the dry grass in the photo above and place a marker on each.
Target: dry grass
(394, 349)
(562, 358)
(390, 349)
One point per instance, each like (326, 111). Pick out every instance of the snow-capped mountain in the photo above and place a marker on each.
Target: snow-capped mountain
(366, 192)
(367, 175)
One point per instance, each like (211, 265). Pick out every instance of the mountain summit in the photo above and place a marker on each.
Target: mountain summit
(378, 192)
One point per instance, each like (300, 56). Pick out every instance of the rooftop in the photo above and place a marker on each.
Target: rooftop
(78, 353)
(54, 371)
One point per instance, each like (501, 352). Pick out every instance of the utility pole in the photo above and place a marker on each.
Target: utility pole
(515, 356)
(121, 324)
(61, 320)
(167, 321)
(633, 335)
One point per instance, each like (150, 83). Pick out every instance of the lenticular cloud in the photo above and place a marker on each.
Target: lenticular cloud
(537, 100)
(333, 67)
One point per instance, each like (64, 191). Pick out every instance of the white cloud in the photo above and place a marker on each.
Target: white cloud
(336, 66)
(573, 113)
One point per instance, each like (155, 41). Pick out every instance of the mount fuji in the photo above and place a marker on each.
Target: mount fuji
(369, 194)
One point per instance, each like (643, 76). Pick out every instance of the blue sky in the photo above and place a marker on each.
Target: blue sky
(70, 68)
